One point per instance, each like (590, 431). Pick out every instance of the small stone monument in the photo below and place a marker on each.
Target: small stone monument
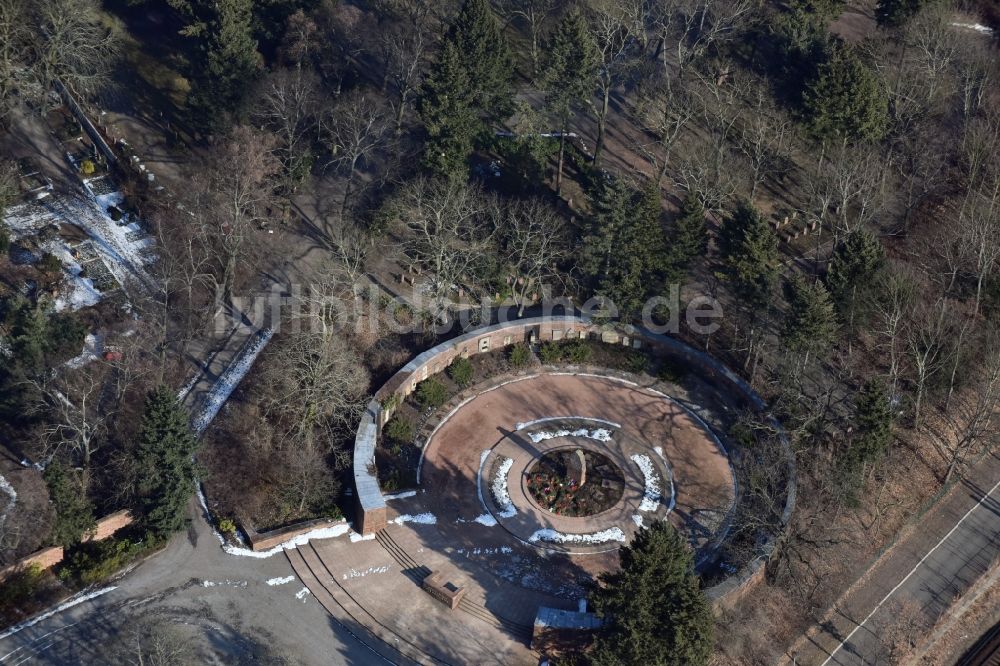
(576, 468)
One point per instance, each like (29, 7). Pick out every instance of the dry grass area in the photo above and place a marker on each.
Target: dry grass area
(827, 546)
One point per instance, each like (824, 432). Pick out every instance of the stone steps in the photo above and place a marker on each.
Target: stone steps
(385, 643)
(417, 572)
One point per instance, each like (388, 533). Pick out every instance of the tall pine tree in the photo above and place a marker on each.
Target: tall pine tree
(74, 510)
(872, 436)
(468, 89)
(750, 250)
(810, 324)
(572, 64)
(449, 119)
(653, 610)
(624, 253)
(844, 99)
(165, 463)
(229, 62)
(852, 274)
(689, 239)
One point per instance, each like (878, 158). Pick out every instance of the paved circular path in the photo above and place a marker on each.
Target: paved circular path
(454, 457)
(533, 524)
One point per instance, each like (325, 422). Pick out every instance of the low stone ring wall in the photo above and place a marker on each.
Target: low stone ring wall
(371, 509)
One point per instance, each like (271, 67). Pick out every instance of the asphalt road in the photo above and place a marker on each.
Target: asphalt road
(221, 606)
(953, 545)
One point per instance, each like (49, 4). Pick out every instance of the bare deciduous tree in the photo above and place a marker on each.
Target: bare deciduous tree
(404, 49)
(73, 45)
(74, 418)
(354, 129)
(763, 135)
(611, 27)
(663, 113)
(534, 14)
(446, 228)
(287, 106)
(972, 423)
(534, 240)
(315, 383)
(240, 183)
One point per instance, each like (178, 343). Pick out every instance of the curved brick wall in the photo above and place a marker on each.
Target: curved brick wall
(371, 509)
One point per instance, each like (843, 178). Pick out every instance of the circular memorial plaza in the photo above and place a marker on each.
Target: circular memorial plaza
(577, 463)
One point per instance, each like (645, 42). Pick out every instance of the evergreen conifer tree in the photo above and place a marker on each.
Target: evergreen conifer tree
(468, 89)
(74, 510)
(810, 324)
(853, 269)
(750, 250)
(165, 460)
(624, 253)
(690, 239)
(844, 99)
(569, 74)
(653, 610)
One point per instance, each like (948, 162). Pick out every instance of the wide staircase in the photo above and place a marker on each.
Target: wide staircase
(417, 572)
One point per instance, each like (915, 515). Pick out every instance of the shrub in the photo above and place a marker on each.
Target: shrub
(227, 526)
(49, 263)
(20, 586)
(87, 167)
(519, 356)
(636, 361)
(432, 393)
(550, 353)
(461, 371)
(398, 429)
(4, 241)
(96, 561)
(115, 213)
(577, 351)
(670, 372)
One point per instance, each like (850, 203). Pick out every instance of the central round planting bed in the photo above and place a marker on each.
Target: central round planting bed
(575, 482)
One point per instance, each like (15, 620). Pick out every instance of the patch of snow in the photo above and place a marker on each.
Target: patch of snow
(499, 488)
(77, 292)
(184, 390)
(670, 479)
(552, 536)
(978, 27)
(499, 550)
(224, 583)
(355, 537)
(402, 495)
(207, 514)
(302, 594)
(354, 573)
(526, 424)
(280, 581)
(229, 380)
(91, 352)
(420, 519)
(301, 540)
(637, 519)
(12, 494)
(651, 495)
(74, 601)
(486, 519)
(600, 434)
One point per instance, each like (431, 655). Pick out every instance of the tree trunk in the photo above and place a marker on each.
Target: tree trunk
(562, 153)
(602, 119)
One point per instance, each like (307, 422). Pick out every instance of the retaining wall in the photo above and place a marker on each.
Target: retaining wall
(49, 557)
(371, 508)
